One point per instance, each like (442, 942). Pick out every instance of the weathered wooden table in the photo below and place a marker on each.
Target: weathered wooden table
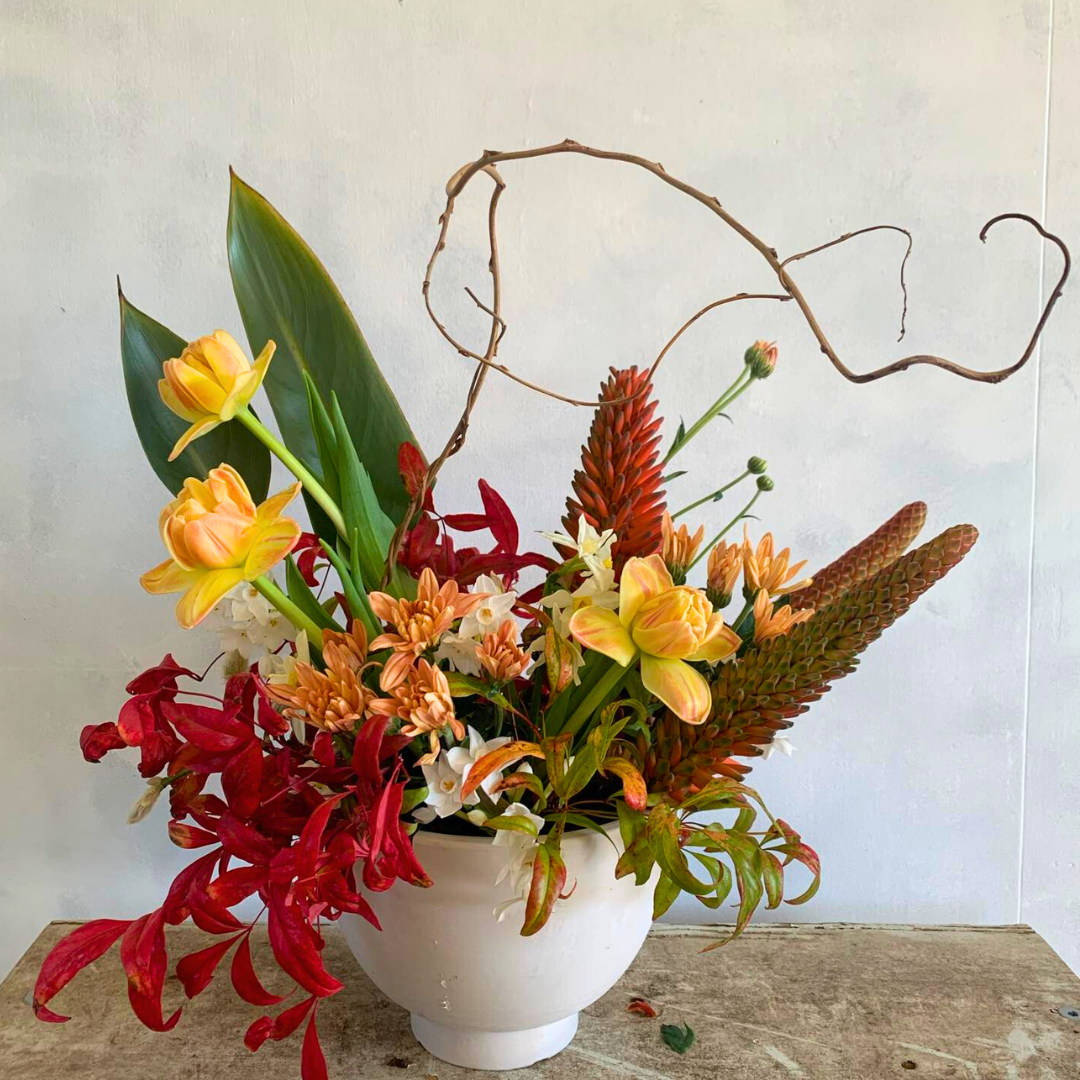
(803, 1001)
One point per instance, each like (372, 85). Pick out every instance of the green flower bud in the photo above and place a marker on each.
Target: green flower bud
(756, 465)
(761, 359)
(765, 483)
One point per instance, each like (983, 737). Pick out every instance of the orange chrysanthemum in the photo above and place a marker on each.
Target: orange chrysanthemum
(769, 571)
(422, 700)
(679, 546)
(769, 623)
(725, 565)
(618, 484)
(418, 624)
(335, 699)
(500, 655)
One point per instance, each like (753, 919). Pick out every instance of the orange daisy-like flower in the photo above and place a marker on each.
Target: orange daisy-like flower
(679, 546)
(422, 700)
(725, 565)
(769, 571)
(769, 623)
(334, 700)
(418, 624)
(500, 655)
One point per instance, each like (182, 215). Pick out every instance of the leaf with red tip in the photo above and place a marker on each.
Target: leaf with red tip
(69, 956)
(97, 740)
(296, 946)
(634, 791)
(142, 953)
(197, 969)
(242, 779)
(501, 521)
(312, 1061)
(246, 983)
(496, 760)
(188, 836)
(245, 841)
(236, 885)
(548, 881)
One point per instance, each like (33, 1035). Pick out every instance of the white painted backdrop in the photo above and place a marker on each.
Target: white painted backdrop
(940, 783)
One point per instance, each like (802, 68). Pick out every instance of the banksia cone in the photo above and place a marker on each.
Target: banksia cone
(617, 486)
(757, 696)
(866, 558)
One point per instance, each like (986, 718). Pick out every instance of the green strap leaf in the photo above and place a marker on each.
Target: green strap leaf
(144, 346)
(301, 595)
(285, 293)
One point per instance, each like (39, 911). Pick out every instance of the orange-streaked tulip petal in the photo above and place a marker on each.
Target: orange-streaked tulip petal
(174, 403)
(201, 427)
(722, 645)
(225, 484)
(168, 577)
(194, 386)
(271, 508)
(599, 629)
(225, 357)
(207, 589)
(262, 361)
(641, 579)
(273, 541)
(682, 689)
(218, 540)
(243, 390)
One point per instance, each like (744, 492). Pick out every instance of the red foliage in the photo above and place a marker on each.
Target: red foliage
(428, 543)
(295, 847)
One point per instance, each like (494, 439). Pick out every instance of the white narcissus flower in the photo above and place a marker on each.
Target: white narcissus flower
(462, 760)
(521, 850)
(781, 743)
(511, 838)
(460, 653)
(248, 624)
(444, 790)
(592, 547)
(492, 613)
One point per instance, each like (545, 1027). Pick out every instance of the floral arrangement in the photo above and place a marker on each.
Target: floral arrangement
(384, 676)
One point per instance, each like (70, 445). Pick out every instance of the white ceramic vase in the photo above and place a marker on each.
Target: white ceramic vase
(481, 995)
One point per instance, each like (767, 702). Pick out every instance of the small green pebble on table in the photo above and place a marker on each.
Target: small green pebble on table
(810, 1002)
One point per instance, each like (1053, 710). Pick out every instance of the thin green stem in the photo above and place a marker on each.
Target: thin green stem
(606, 685)
(724, 531)
(744, 379)
(712, 496)
(288, 609)
(295, 466)
(737, 625)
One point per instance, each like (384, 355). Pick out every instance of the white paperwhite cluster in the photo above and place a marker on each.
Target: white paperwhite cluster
(248, 624)
(459, 649)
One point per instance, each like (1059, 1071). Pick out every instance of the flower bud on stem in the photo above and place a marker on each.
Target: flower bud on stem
(732, 523)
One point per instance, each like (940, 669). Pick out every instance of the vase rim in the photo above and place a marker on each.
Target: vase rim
(450, 840)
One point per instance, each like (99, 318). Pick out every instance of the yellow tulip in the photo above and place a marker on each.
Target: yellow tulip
(668, 625)
(209, 382)
(217, 537)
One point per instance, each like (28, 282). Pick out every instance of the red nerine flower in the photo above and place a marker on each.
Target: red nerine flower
(618, 484)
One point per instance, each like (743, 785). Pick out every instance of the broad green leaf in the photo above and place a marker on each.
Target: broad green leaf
(637, 859)
(354, 593)
(548, 879)
(412, 798)
(662, 832)
(512, 823)
(285, 294)
(144, 346)
(664, 895)
(583, 821)
(680, 1039)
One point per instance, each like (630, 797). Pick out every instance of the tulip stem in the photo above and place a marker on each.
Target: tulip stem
(724, 531)
(722, 402)
(296, 467)
(608, 684)
(288, 609)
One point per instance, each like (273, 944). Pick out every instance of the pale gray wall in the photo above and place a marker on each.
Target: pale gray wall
(940, 784)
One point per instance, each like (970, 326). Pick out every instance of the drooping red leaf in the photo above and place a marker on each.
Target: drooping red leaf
(245, 841)
(242, 779)
(214, 918)
(366, 757)
(258, 1033)
(411, 466)
(307, 552)
(136, 719)
(501, 521)
(214, 730)
(188, 836)
(197, 969)
(142, 953)
(310, 843)
(285, 1023)
(246, 983)
(189, 882)
(69, 956)
(345, 899)
(236, 885)
(312, 1061)
(296, 945)
(161, 676)
(97, 740)
(467, 522)
(322, 749)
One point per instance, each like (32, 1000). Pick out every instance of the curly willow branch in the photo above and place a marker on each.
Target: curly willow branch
(487, 360)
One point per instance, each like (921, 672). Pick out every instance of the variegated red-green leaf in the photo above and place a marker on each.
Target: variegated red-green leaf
(632, 781)
(497, 760)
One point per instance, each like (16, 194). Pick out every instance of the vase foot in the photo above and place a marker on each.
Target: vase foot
(494, 1050)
